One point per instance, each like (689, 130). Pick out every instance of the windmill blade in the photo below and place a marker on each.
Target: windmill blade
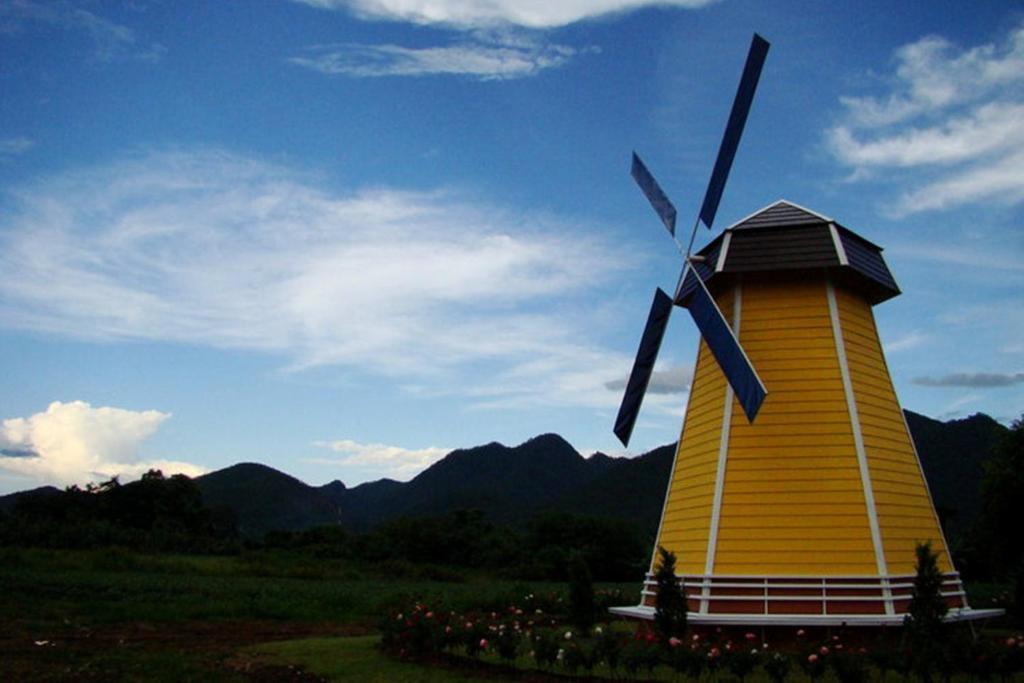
(734, 129)
(731, 357)
(643, 366)
(659, 201)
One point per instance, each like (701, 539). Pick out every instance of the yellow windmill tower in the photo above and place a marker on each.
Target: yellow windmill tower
(796, 494)
(811, 513)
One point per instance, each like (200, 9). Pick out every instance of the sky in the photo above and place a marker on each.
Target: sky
(343, 237)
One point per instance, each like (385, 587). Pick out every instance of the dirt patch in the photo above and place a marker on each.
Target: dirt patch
(152, 651)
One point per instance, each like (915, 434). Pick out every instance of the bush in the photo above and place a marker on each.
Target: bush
(581, 594)
(670, 610)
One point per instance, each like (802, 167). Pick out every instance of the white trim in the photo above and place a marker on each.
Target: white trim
(723, 454)
(672, 472)
(694, 618)
(840, 249)
(826, 219)
(858, 439)
(722, 251)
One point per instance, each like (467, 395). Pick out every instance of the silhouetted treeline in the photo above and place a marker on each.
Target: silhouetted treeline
(166, 514)
(995, 549)
(155, 513)
(615, 550)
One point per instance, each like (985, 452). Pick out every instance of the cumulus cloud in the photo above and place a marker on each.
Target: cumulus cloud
(672, 381)
(977, 380)
(74, 443)
(220, 250)
(481, 59)
(393, 462)
(538, 14)
(111, 41)
(955, 116)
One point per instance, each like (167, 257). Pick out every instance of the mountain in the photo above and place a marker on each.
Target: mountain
(546, 474)
(264, 499)
(953, 456)
(628, 488)
(8, 502)
(510, 484)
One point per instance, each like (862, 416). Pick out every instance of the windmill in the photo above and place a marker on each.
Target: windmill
(691, 290)
(811, 514)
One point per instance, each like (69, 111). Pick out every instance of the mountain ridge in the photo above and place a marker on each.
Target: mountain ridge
(511, 484)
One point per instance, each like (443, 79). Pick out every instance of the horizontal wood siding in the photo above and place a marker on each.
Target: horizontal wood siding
(905, 513)
(687, 518)
(793, 502)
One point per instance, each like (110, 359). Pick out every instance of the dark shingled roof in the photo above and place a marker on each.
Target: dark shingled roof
(786, 237)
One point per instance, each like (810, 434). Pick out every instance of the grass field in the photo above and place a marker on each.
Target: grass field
(118, 615)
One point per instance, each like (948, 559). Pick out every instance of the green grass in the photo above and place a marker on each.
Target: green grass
(95, 587)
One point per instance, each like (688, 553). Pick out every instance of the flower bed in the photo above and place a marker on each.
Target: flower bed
(529, 636)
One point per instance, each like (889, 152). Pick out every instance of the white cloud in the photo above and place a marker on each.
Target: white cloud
(672, 381)
(111, 41)
(473, 14)
(482, 60)
(15, 146)
(908, 341)
(74, 443)
(953, 122)
(393, 462)
(215, 249)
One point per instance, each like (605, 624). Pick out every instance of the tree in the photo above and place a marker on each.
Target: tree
(581, 593)
(670, 609)
(923, 623)
(1002, 494)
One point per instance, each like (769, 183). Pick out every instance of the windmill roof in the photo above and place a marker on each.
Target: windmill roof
(784, 236)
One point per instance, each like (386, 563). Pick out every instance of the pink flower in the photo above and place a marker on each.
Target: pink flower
(447, 629)
(430, 615)
(674, 642)
(800, 633)
(812, 658)
(469, 624)
(695, 637)
(750, 636)
(1010, 642)
(714, 652)
(483, 643)
(823, 650)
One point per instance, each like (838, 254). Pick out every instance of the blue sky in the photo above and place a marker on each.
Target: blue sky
(343, 237)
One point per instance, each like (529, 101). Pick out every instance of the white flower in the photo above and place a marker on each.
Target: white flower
(561, 655)
(568, 635)
(598, 630)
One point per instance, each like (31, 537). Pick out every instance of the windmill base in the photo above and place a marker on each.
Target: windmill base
(719, 600)
(646, 613)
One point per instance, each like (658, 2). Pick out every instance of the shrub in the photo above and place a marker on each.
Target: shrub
(923, 623)
(670, 610)
(581, 593)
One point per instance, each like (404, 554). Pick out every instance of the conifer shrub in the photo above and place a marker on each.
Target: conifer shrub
(670, 610)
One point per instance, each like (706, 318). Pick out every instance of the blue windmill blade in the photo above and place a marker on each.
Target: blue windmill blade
(643, 365)
(724, 346)
(734, 129)
(659, 201)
